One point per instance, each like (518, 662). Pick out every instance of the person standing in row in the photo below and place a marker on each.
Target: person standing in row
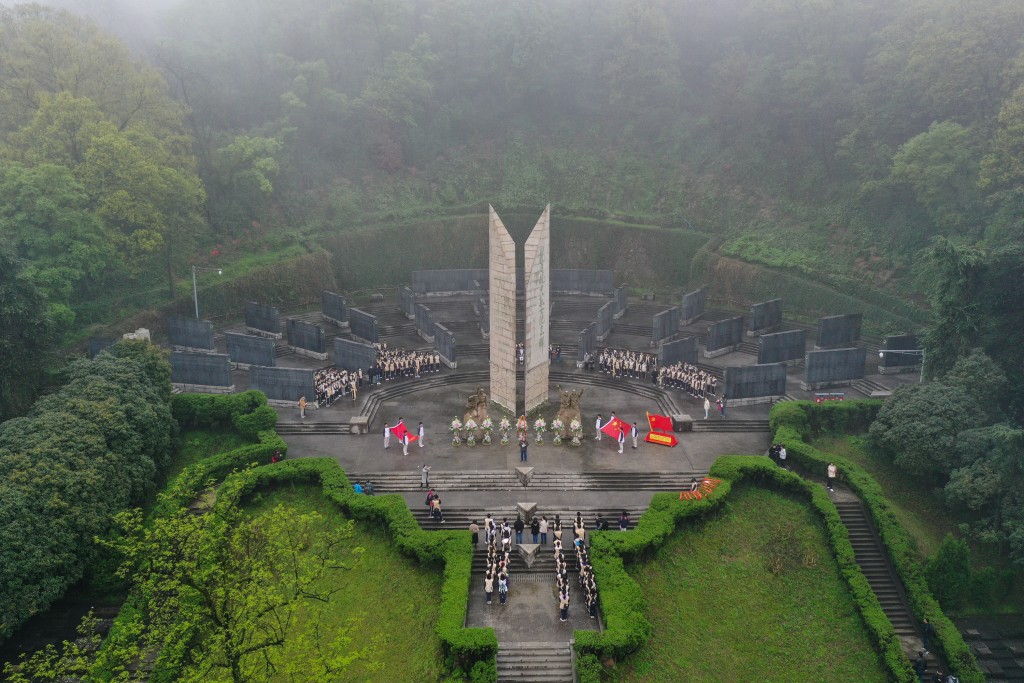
(622, 439)
(387, 436)
(489, 586)
(421, 432)
(557, 531)
(597, 428)
(563, 604)
(634, 432)
(535, 529)
(405, 443)
(544, 530)
(502, 588)
(519, 526)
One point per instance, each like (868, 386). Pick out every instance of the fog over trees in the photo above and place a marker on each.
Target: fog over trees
(813, 135)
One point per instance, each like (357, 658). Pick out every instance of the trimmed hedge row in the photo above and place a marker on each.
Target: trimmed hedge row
(792, 423)
(247, 413)
(763, 472)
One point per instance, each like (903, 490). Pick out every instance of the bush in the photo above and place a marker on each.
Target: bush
(589, 669)
(484, 672)
(790, 429)
(949, 572)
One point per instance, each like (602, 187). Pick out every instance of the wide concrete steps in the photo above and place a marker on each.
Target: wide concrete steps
(728, 424)
(463, 480)
(869, 386)
(525, 662)
(870, 556)
(460, 517)
(312, 428)
(503, 480)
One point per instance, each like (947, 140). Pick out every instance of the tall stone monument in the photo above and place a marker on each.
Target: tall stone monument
(538, 308)
(502, 285)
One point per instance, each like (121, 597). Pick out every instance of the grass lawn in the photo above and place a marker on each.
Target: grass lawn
(720, 614)
(918, 507)
(393, 599)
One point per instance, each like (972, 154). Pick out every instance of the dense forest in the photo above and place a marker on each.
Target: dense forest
(811, 136)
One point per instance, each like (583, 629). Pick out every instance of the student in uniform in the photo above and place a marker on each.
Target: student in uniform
(634, 432)
(503, 587)
(489, 586)
(543, 530)
(387, 436)
(563, 604)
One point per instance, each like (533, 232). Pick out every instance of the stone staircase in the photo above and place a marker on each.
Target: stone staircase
(869, 386)
(526, 662)
(503, 480)
(874, 564)
(312, 428)
(728, 424)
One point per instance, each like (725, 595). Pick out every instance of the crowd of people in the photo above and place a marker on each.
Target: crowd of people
(625, 363)
(394, 363)
(332, 383)
(690, 378)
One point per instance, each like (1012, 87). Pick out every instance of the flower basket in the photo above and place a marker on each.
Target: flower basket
(539, 426)
(504, 438)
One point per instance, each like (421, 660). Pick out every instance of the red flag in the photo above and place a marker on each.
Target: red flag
(613, 427)
(399, 431)
(659, 423)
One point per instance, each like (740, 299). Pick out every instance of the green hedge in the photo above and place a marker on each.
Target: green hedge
(792, 423)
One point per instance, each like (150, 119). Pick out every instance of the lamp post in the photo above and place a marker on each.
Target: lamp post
(195, 289)
(919, 352)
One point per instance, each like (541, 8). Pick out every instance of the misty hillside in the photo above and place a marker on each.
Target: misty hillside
(820, 139)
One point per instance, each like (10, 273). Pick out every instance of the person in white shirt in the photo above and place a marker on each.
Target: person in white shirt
(622, 438)
(598, 428)
(634, 432)
(782, 457)
(420, 434)
(387, 436)
(707, 407)
(405, 444)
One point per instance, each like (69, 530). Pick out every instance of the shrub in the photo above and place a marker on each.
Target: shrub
(949, 572)
(588, 667)
(790, 430)
(484, 672)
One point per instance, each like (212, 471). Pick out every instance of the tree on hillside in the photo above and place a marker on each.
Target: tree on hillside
(28, 335)
(917, 428)
(232, 586)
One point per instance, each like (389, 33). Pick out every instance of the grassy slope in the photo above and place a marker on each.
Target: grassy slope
(720, 615)
(394, 595)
